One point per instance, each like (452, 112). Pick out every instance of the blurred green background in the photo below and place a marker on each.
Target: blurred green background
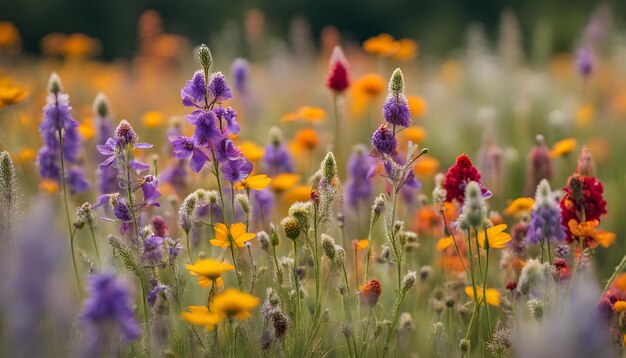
(438, 26)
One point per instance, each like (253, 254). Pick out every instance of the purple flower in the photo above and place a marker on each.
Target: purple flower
(236, 170)
(225, 150)
(262, 202)
(109, 303)
(124, 140)
(384, 140)
(207, 126)
(396, 110)
(277, 159)
(173, 250)
(185, 147)
(194, 91)
(175, 175)
(545, 222)
(125, 135)
(121, 211)
(47, 162)
(154, 293)
(218, 88)
(229, 115)
(358, 187)
(239, 70)
(152, 250)
(149, 189)
(585, 62)
(76, 180)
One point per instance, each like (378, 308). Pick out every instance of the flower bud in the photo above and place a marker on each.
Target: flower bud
(54, 84)
(291, 227)
(464, 346)
(409, 280)
(328, 244)
(206, 59)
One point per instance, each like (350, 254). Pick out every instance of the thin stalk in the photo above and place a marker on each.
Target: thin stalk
(188, 246)
(394, 322)
(368, 253)
(95, 244)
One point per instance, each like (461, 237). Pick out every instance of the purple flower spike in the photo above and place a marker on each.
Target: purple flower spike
(152, 250)
(226, 150)
(384, 140)
(194, 92)
(218, 87)
(396, 111)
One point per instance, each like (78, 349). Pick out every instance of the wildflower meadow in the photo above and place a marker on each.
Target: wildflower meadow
(315, 194)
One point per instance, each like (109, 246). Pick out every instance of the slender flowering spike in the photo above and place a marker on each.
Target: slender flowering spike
(545, 220)
(384, 140)
(160, 226)
(206, 59)
(409, 280)
(124, 135)
(187, 208)
(218, 88)
(108, 307)
(539, 165)
(338, 79)
(277, 158)
(359, 185)
(328, 244)
(240, 71)
(329, 167)
(585, 62)
(474, 213)
(152, 250)
(8, 194)
(54, 84)
(396, 109)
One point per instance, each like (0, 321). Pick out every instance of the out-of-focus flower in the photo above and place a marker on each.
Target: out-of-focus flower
(365, 90)
(240, 71)
(444, 243)
(358, 186)
(415, 134)
(11, 94)
(152, 250)
(519, 206)
(426, 167)
(209, 271)
(25, 155)
(251, 151)
(496, 236)
(254, 182)
(585, 62)
(305, 113)
(276, 158)
(370, 292)
(492, 295)
(10, 39)
(563, 147)
(202, 316)
(418, 106)
(539, 165)
(381, 45)
(360, 244)
(235, 235)
(338, 79)
(49, 186)
(234, 304)
(285, 181)
(585, 114)
(237, 170)
(152, 119)
(406, 50)
(109, 303)
(545, 222)
(306, 140)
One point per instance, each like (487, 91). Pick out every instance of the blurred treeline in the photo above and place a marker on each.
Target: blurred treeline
(438, 26)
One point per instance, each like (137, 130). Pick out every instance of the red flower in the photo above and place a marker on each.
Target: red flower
(458, 176)
(583, 199)
(338, 79)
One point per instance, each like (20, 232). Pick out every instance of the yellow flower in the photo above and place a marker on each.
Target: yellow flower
(209, 271)
(306, 113)
(493, 295)
(563, 147)
(284, 181)
(49, 186)
(10, 95)
(201, 316)
(235, 304)
(497, 237)
(382, 45)
(406, 50)
(519, 206)
(152, 119)
(619, 306)
(236, 235)
(366, 89)
(417, 105)
(80, 45)
(251, 151)
(426, 166)
(254, 182)
(444, 243)
(588, 228)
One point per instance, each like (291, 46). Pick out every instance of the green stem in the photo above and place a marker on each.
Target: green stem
(394, 322)
(95, 243)
(188, 246)
(369, 250)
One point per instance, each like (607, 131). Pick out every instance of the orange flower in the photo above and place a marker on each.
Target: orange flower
(284, 181)
(585, 114)
(382, 45)
(49, 186)
(26, 155)
(360, 244)
(152, 119)
(619, 306)
(519, 206)
(426, 220)
(492, 295)
(415, 134)
(9, 36)
(236, 235)
(202, 316)
(406, 50)
(369, 292)
(444, 243)
(604, 238)
(86, 128)
(417, 105)
(251, 151)
(10, 95)
(209, 271)
(587, 228)
(299, 193)
(306, 113)
(306, 139)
